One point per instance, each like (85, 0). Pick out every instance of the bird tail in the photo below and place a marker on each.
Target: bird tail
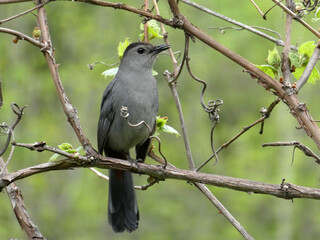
(123, 212)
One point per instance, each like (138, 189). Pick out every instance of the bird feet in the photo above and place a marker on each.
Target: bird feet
(136, 163)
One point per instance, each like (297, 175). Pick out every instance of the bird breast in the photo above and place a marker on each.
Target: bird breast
(141, 101)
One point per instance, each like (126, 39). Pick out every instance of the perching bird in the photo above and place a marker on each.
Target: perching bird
(135, 88)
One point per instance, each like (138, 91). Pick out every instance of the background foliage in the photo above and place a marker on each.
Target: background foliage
(73, 204)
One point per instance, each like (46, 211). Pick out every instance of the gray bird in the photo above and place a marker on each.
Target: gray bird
(135, 88)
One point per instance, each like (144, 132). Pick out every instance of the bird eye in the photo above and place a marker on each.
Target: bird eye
(140, 50)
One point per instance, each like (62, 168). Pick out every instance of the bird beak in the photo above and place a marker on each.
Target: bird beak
(160, 48)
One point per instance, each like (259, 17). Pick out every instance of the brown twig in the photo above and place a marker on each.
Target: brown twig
(173, 88)
(265, 114)
(145, 25)
(104, 177)
(285, 64)
(257, 7)
(19, 112)
(307, 151)
(12, 1)
(25, 12)
(21, 36)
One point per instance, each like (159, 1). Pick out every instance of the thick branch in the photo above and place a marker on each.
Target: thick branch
(20, 211)
(286, 190)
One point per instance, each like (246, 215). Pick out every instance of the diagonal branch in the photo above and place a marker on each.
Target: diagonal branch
(172, 84)
(69, 110)
(295, 17)
(297, 109)
(25, 12)
(308, 70)
(20, 211)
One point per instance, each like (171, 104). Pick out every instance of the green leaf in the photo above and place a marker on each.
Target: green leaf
(169, 129)
(161, 121)
(154, 73)
(110, 72)
(274, 58)
(122, 47)
(307, 48)
(153, 30)
(65, 146)
(317, 16)
(295, 59)
(270, 70)
(313, 76)
(163, 127)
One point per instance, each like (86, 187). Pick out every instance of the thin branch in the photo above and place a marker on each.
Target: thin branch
(221, 29)
(10, 135)
(288, 191)
(19, 112)
(144, 187)
(265, 114)
(7, 132)
(125, 7)
(21, 36)
(173, 88)
(13, 1)
(25, 12)
(261, 13)
(295, 17)
(285, 64)
(278, 42)
(99, 174)
(145, 25)
(224, 211)
(20, 211)
(310, 66)
(166, 40)
(307, 151)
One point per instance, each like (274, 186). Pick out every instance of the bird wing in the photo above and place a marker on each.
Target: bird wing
(107, 114)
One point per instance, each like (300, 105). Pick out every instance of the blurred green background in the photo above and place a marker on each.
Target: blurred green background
(73, 204)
